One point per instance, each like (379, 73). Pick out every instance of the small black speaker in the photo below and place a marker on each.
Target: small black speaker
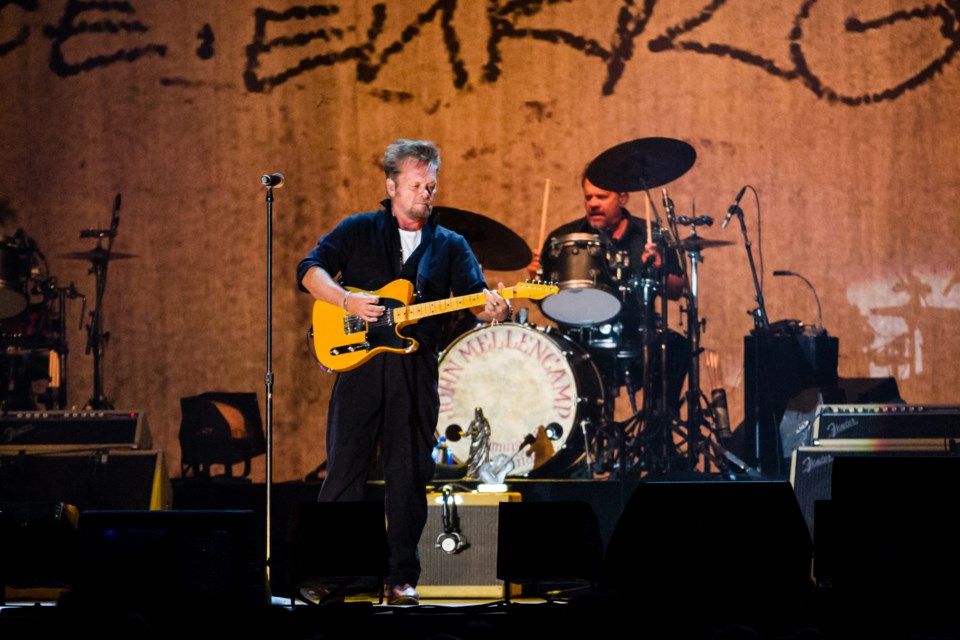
(342, 545)
(892, 532)
(552, 548)
(725, 544)
(158, 562)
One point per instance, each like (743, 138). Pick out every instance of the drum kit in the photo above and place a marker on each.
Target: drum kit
(551, 390)
(33, 329)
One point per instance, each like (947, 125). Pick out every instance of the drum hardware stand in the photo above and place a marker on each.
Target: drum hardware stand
(96, 336)
(45, 287)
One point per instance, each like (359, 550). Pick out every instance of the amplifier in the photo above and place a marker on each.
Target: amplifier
(917, 427)
(472, 571)
(90, 479)
(811, 472)
(54, 430)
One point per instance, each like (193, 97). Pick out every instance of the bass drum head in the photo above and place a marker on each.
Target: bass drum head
(522, 378)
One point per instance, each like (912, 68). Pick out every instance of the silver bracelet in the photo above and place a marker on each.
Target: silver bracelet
(346, 294)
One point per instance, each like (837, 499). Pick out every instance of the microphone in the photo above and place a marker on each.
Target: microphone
(272, 181)
(451, 540)
(815, 296)
(734, 208)
(454, 432)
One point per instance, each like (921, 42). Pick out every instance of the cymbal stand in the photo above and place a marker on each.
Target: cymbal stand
(96, 336)
(698, 445)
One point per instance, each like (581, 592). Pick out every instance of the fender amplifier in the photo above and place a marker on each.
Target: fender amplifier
(50, 430)
(463, 565)
(916, 427)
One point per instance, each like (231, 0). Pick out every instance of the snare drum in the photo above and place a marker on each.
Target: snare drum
(580, 265)
(522, 378)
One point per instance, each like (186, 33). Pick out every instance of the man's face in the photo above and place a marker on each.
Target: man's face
(414, 190)
(604, 208)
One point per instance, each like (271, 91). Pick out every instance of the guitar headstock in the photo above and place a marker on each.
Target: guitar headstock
(534, 289)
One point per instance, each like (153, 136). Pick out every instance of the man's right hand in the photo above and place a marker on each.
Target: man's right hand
(363, 305)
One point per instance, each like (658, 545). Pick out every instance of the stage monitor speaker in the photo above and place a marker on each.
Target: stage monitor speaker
(466, 566)
(342, 545)
(92, 479)
(65, 430)
(553, 549)
(892, 532)
(169, 563)
(725, 544)
(38, 542)
(811, 473)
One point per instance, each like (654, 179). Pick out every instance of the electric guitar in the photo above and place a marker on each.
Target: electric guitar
(343, 341)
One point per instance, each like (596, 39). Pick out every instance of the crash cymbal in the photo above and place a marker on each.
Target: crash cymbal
(697, 243)
(641, 164)
(496, 246)
(97, 255)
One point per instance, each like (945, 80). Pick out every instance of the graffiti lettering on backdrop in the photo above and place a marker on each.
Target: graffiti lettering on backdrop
(24, 32)
(301, 39)
(70, 26)
(630, 22)
(945, 13)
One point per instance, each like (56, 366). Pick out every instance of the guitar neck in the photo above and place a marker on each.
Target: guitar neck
(415, 312)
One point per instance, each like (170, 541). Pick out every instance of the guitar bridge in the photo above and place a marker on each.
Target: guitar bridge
(350, 348)
(353, 324)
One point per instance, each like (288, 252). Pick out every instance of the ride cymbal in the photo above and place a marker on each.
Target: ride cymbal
(495, 245)
(641, 164)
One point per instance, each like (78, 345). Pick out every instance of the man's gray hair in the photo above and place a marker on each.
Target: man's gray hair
(402, 149)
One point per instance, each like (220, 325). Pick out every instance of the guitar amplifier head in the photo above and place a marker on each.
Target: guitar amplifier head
(878, 427)
(56, 430)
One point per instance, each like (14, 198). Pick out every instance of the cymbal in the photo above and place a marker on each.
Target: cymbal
(641, 164)
(97, 255)
(696, 243)
(496, 246)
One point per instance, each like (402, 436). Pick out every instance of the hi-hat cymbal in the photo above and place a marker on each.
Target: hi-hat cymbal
(97, 255)
(641, 164)
(696, 243)
(496, 246)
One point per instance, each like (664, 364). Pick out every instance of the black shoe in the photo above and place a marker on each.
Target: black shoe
(316, 592)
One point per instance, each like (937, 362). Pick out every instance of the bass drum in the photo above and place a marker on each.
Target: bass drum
(522, 378)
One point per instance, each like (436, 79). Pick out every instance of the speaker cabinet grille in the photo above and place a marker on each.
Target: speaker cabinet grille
(472, 572)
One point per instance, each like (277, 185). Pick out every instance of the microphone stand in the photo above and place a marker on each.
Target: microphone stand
(760, 313)
(270, 182)
(761, 331)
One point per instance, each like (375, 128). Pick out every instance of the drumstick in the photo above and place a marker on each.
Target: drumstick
(543, 213)
(646, 201)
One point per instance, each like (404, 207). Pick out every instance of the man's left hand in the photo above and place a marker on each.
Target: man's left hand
(496, 307)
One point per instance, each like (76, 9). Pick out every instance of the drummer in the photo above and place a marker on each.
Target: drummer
(606, 215)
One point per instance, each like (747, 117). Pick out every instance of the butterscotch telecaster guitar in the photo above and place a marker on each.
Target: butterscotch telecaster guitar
(343, 341)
